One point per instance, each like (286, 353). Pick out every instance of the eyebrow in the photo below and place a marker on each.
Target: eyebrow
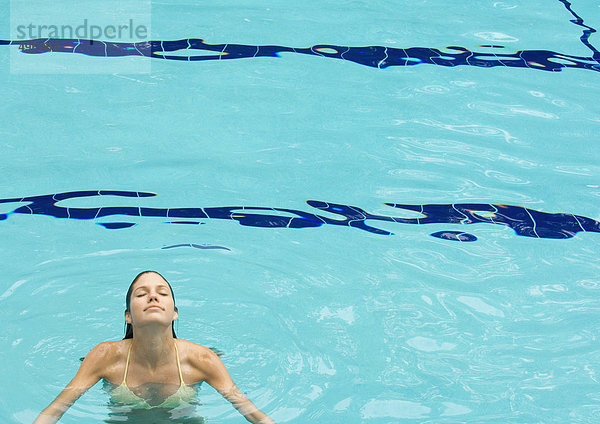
(162, 286)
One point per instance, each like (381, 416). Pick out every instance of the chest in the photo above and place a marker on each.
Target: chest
(150, 381)
(152, 386)
(155, 393)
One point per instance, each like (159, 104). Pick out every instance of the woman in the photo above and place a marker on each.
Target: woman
(150, 368)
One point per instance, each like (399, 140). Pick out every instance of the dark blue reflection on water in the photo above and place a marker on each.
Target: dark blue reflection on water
(587, 30)
(524, 221)
(116, 225)
(454, 236)
(373, 56)
(197, 246)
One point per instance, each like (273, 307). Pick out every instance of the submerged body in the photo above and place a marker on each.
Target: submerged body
(155, 416)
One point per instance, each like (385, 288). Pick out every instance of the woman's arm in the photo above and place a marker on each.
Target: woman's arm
(217, 376)
(88, 374)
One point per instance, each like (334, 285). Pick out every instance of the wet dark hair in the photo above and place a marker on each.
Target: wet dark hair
(129, 327)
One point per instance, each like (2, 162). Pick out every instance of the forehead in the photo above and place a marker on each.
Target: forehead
(150, 280)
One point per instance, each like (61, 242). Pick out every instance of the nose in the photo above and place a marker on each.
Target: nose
(152, 297)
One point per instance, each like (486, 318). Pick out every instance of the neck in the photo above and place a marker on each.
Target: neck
(153, 348)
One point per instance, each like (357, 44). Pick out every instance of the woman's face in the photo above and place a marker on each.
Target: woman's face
(151, 301)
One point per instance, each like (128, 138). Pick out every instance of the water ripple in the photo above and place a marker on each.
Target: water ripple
(473, 129)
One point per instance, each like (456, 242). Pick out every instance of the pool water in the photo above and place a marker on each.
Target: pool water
(379, 211)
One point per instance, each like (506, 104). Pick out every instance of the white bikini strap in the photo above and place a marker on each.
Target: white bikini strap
(126, 366)
(178, 364)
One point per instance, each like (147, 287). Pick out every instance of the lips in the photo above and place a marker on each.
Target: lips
(153, 307)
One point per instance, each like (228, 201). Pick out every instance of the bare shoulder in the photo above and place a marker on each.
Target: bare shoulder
(195, 352)
(204, 364)
(107, 351)
(200, 359)
(106, 358)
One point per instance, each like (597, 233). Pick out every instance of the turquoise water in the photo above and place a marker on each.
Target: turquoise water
(322, 322)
